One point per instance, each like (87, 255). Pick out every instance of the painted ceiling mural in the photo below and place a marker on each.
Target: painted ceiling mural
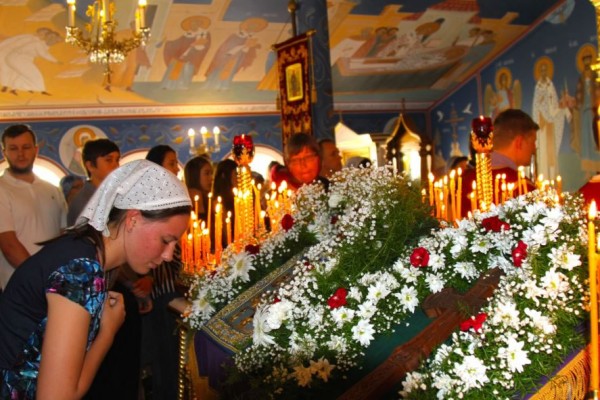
(216, 55)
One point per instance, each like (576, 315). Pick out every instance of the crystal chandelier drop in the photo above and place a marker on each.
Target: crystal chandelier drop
(99, 37)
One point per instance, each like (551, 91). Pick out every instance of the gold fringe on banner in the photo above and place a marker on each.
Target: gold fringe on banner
(571, 382)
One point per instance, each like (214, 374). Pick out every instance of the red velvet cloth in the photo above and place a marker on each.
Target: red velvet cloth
(591, 190)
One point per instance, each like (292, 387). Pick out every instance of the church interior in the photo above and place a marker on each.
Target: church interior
(396, 81)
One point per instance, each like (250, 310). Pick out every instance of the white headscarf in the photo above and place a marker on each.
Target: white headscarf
(137, 185)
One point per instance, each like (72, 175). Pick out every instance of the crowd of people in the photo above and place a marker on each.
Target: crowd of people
(87, 270)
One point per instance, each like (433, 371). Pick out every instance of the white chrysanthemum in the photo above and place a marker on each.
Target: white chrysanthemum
(240, 266)
(366, 310)
(563, 258)
(472, 371)
(354, 293)
(342, 315)
(459, 243)
(515, 356)
(540, 321)
(436, 261)
(507, 314)
(481, 245)
(337, 343)
(408, 298)
(363, 332)
(466, 270)
(261, 328)
(377, 291)
(435, 282)
(411, 382)
(202, 305)
(409, 273)
(555, 283)
(278, 312)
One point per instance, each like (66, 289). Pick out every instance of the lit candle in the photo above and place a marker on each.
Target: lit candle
(138, 25)
(196, 198)
(431, 197)
(105, 10)
(204, 134)
(191, 135)
(209, 212)
(261, 221)
(71, 12)
(394, 162)
(476, 195)
(592, 261)
(228, 227)
(218, 229)
(559, 186)
(453, 195)
(473, 202)
(459, 195)
(496, 189)
(520, 180)
(142, 11)
(216, 132)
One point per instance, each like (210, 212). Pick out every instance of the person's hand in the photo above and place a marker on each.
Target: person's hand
(113, 313)
(142, 287)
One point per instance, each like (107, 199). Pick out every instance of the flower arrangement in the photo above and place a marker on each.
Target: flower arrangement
(371, 255)
(530, 323)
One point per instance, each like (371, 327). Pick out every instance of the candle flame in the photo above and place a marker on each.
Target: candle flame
(593, 210)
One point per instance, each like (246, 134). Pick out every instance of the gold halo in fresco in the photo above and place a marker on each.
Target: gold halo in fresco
(194, 22)
(584, 51)
(504, 71)
(537, 68)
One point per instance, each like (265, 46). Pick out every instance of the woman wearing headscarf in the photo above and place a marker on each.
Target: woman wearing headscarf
(57, 318)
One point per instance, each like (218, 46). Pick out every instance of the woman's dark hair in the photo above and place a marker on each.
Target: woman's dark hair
(222, 183)
(191, 171)
(157, 153)
(298, 142)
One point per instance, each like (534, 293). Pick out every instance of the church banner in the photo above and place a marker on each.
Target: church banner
(294, 67)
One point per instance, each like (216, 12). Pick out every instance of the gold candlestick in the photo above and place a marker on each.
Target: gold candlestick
(482, 134)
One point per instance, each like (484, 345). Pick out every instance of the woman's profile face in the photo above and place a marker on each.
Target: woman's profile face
(150, 242)
(206, 178)
(170, 162)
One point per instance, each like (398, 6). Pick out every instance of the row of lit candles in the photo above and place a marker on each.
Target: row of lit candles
(197, 255)
(445, 194)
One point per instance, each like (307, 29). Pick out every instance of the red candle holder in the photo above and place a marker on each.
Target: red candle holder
(482, 133)
(243, 149)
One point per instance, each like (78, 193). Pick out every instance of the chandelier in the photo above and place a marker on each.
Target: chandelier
(99, 37)
(205, 147)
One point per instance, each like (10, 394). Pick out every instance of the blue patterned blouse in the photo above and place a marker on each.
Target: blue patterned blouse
(80, 280)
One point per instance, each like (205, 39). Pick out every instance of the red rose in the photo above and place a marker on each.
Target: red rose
(338, 299)
(475, 323)
(334, 220)
(419, 257)
(519, 253)
(252, 249)
(276, 300)
(287, 222)
(494, 224)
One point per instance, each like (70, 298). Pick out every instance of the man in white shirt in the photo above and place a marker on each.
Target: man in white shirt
(32, 209)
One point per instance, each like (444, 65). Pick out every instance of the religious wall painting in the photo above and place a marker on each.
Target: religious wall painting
(384, 51)
(505, 93)
(71, 145)
(550, 110)
(584, 127)
(184, 55)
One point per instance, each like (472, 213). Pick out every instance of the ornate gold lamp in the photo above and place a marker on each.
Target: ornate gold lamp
(99, 37)
(482, 133)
